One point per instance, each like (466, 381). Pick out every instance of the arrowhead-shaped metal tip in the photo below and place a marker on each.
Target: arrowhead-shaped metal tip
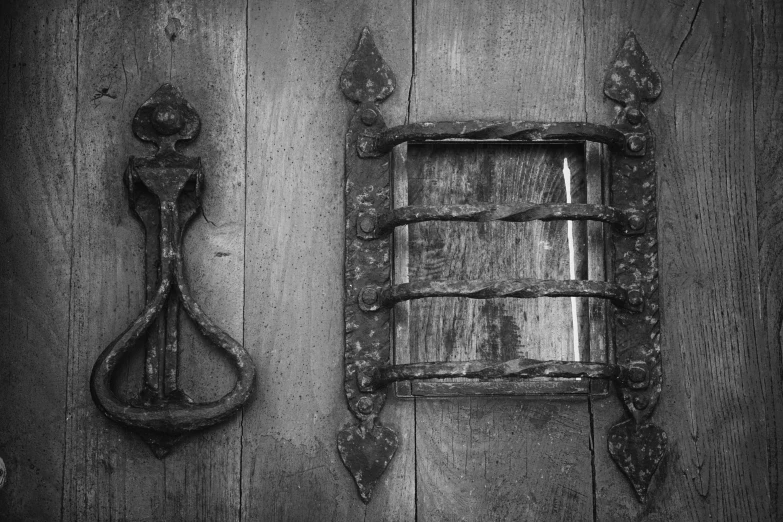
(366, 453)
(637, 451)
(367, 77)
(631, 78)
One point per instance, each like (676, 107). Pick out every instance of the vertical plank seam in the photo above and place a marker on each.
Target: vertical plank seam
(584, 65)
(10, 50)
(69, 342)
(762, 316)
(592, 454)
(590, 413)
(413, 59)
(244, 261)
(415, 400)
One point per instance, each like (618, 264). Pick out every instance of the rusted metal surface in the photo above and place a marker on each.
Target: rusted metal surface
(638, 450)
(375, 298)
(366, 448)
(165, 192)
(631, 80)
(375, 144)
(527, 368)
(629, 221)
(635, 444)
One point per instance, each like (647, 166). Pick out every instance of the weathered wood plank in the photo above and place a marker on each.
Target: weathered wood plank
(38, 64)
(460, 329)
(498, 60)
(297, 120)
(714, 370)
(503, 459)
(126, 51)
(768, 122)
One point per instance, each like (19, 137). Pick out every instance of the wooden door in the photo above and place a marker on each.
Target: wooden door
(265, 258)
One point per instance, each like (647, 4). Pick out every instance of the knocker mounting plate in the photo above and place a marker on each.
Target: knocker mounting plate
(372, 291)
(165, 193)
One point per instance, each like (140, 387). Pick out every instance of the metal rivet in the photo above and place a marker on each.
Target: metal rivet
(636, 222)
(637, 374)
(635, 298)
(366, 224)
(369, 295)
(635, 143)
(633, 116)
(167, 119)
(364, 405)
(369, 116)
(641, 402)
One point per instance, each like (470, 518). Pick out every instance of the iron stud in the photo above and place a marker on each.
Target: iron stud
(364, 405)
(369, 296)
(635, 298)
(635, 143)
(633, 116)
(366, 224)
(369, 117)
(636, 222)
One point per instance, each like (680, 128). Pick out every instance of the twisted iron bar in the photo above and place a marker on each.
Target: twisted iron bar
(628, 220)
(376, 378)
(373, 145)
(375, 298)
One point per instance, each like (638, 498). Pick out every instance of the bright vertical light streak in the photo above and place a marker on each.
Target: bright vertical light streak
(571, 258)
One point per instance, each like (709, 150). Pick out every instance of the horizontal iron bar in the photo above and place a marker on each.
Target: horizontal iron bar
(629, 220)
(523, 368)
(373, 145)
(375, 298)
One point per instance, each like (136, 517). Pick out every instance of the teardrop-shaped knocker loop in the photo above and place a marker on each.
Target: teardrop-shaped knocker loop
(165, 193)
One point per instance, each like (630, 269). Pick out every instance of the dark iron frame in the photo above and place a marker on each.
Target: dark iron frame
(635, 444)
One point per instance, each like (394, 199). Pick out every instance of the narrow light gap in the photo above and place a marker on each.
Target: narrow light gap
(571, 259)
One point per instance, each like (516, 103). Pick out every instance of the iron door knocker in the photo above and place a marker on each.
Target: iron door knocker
(165, 193)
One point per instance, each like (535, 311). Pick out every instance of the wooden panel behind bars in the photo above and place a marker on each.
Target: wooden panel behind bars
(440, 329)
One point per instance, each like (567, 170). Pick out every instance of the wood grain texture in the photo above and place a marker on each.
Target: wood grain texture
(38, 64)
(768, 122)
(126, 50)
(297, 120)
(498, 60)
(713, 350)
(461, 329)
(502, 459)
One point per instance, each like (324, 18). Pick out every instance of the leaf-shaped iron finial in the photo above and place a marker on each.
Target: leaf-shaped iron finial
(637, 450)
(367, 452)
(367, 77)
(631, 78)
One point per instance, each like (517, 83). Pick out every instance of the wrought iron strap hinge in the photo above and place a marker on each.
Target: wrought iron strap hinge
(165, 193)
(636, 445)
